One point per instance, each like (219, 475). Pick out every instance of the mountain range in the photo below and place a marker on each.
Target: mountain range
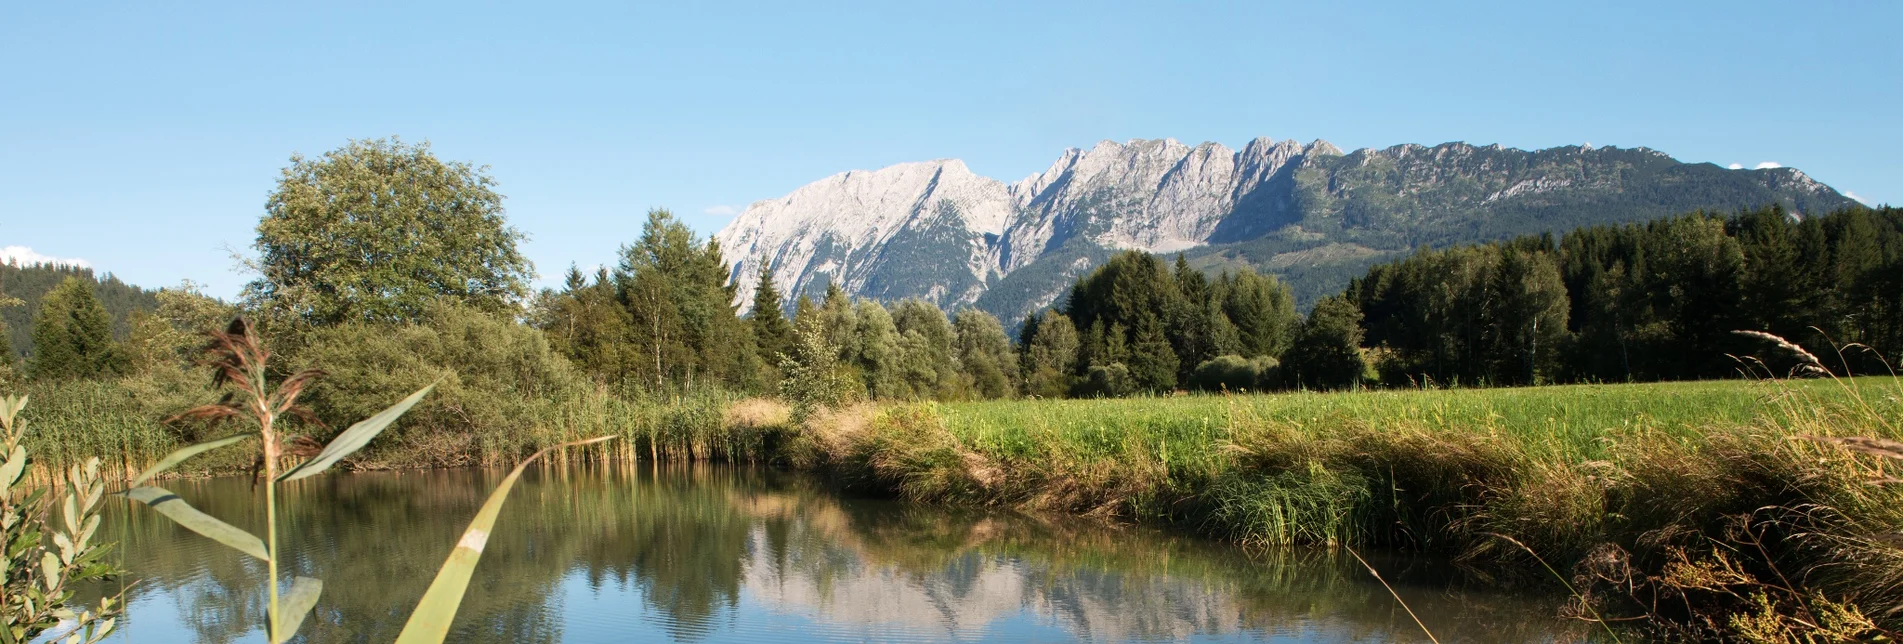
(1309, 213)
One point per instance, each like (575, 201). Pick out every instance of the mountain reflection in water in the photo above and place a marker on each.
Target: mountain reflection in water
(713, 554)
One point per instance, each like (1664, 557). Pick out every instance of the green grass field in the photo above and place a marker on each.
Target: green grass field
(1575, 422)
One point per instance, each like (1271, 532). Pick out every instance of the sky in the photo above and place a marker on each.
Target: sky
(142, 138)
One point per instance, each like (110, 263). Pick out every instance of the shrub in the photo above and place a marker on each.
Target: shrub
(500, 387)
(1108, 381)
(1236, 373)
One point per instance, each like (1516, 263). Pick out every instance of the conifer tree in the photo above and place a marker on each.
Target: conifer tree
(772, 334)
(72, 335)
(1153, 364)
(1327, 353)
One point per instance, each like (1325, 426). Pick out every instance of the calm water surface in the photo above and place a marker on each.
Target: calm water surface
(737, 555)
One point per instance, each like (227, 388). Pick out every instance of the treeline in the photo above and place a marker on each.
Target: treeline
(1640, 302)
(662, 320)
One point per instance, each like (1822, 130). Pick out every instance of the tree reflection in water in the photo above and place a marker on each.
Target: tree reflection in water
(718, 554)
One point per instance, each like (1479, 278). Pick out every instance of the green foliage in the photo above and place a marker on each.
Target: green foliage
(1327, 353)
(588, 325)
(927, 365)
(42, 559)
(772, 333)
(23, 286)
(878, 352)
(1233, 373)
(1657, 301)
(377, 230)
(985, 357)
(72, 336)
(682, 325)
(814, 380)
(1049, 354)
(494, 379)
(1160, 324)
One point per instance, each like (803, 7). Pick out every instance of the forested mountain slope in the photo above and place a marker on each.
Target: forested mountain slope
(31, 282)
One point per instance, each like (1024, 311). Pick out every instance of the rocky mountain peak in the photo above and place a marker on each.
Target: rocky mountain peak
(936, 230)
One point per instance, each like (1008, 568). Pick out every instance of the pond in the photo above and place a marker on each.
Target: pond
(715, 554)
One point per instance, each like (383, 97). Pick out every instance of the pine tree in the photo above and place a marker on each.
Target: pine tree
(772, 334)
(72, 335)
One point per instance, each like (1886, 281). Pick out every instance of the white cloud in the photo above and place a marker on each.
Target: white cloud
(23, 256)
(1736, 166)
(721, 211)
(1766, 165)
(1853, 195)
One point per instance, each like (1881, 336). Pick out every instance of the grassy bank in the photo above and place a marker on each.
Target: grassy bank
(1706, 508)
(1703, 509)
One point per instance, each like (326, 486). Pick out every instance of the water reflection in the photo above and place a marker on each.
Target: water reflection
(720, 554)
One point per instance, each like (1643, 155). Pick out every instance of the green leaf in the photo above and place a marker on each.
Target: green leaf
(11, 470)
(173, 459)
(296, 604)
(354, 438)
(429, 624)
(184, 514)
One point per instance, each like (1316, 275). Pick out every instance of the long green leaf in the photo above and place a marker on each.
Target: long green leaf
(173, 459)
(184, 514)
(429, 624)
(296, 604)
(354, 438)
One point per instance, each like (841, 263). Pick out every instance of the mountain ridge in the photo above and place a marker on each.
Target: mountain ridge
(1309, 212)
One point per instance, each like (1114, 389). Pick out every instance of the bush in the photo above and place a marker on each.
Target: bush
(1107, 381)
(501, 391)
(1236, 373)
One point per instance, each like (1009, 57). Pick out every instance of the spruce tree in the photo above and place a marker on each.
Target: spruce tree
(72, 335)
(772, 334)
(1327, 353)
(1153, 364)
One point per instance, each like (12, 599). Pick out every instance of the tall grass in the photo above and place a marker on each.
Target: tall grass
(1639, 490)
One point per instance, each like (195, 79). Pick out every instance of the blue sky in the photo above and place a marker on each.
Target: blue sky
(142, 138)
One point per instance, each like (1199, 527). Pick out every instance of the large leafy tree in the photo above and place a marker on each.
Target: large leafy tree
(72, 335)
(1049, 354)
(378, 229)
(985, 357)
